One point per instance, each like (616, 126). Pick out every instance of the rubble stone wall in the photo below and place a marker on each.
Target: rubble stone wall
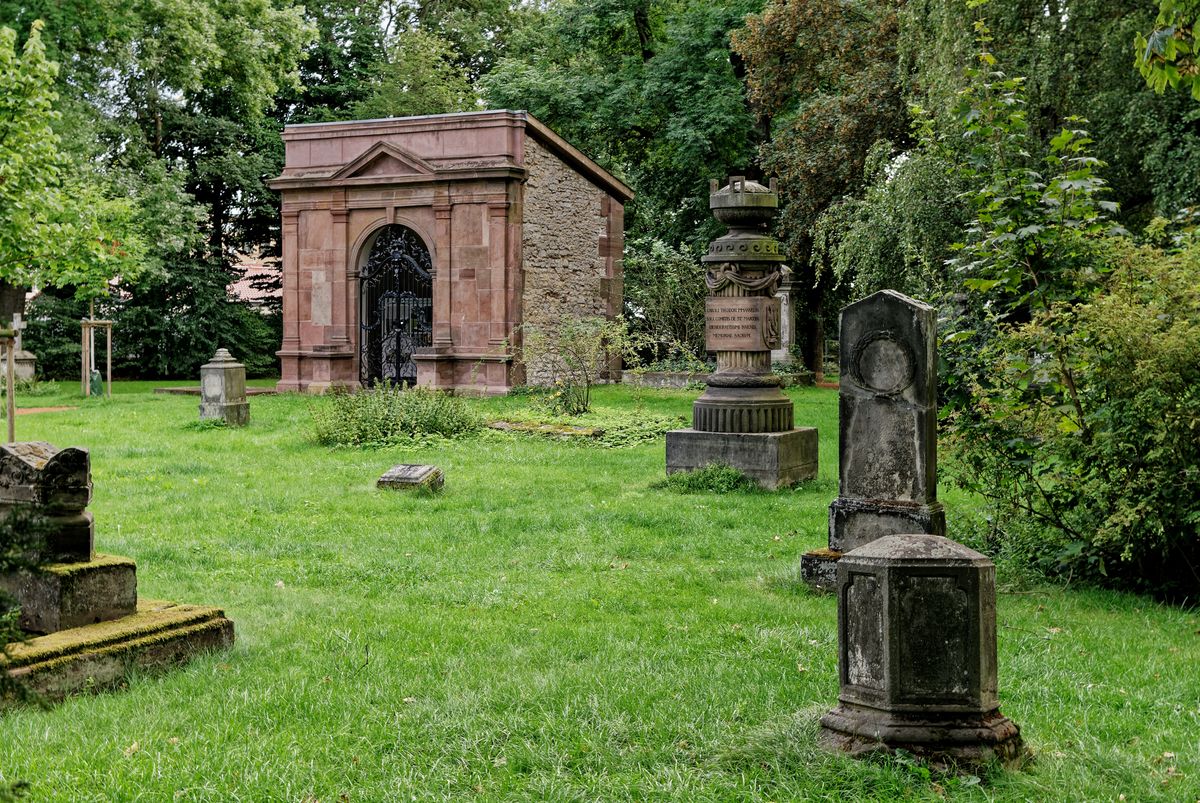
(567, 272)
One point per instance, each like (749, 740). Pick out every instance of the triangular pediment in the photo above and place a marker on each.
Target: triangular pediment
(385, 160)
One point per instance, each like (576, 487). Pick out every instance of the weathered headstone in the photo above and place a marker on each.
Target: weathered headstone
(223, 390)
(88, 602)
(887, 439)
(917, 654)
(742, 419)
(55, 485)
(407, 476)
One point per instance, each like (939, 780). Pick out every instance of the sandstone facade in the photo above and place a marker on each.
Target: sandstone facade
(518, 225)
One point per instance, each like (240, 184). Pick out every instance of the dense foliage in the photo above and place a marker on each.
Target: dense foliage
(388, 415)
(664, 299)
(1167, 57)
(1082, 427)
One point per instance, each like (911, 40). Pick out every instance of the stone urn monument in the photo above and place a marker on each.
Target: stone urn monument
(742, 419)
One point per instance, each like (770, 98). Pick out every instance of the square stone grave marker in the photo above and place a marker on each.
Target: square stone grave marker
(410, 476)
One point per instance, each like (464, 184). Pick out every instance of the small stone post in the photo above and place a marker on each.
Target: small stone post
(917, 654)
(887, 439)
(742, 419)
(223, 390)
(8, 337)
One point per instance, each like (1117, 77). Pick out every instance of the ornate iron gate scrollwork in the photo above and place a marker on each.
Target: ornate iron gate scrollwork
(396, 291)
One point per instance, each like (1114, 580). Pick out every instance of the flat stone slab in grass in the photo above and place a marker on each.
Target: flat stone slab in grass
(195, 391)
(554, 430)
(409, 476)
(98, 656)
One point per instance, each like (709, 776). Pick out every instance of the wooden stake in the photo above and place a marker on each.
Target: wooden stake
(83, 383)
(108, 368)
(10, 383)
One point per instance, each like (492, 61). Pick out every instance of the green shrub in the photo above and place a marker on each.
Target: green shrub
(714, 478)
(1084, 432)
(569, 357)
(389, 415)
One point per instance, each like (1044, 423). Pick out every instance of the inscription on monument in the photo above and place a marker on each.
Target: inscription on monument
(742, 324)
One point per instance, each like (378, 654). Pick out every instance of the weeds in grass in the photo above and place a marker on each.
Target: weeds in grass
(13, 791)
(203, 424)
(620, 428)
(714, 478)
(390, 415)
(31, 387)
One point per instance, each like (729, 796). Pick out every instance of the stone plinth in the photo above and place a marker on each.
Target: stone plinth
(917, 654)
(223, 390)
(408, 476)
(157, 636)
(887, 438)
(773, 459)
(66, 595)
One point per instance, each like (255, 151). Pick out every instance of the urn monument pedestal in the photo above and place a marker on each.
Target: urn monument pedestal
(742, 419)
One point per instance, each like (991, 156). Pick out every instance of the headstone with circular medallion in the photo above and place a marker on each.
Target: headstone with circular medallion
(887, 440)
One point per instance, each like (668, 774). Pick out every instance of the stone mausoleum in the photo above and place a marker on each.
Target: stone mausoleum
(414, 248)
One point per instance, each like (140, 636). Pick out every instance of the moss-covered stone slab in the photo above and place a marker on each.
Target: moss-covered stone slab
(553, 430)
(66, 595)
(408, 476)
(99, 656)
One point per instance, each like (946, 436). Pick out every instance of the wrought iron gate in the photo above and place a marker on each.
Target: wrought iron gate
(397, 307)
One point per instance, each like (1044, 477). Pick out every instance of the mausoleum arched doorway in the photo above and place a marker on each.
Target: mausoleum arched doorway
(396, 305)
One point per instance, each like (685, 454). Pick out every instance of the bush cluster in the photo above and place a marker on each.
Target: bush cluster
(1084, 431)
(389, 414)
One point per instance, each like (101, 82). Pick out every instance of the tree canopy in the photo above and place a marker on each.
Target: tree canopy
(59, 224)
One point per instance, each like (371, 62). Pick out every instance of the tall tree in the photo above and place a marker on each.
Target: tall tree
(58, 225)
(648, 90)
(822, 77)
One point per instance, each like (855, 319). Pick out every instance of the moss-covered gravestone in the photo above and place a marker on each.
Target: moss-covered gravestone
(887, 421)
(92, 626)
(917, 654)
(412, 477)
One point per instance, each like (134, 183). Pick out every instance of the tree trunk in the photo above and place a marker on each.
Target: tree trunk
(12, 302)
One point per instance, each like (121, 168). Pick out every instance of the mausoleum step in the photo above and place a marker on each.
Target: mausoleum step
(158, 635)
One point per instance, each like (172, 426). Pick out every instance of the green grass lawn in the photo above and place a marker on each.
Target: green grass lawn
(551, 627)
